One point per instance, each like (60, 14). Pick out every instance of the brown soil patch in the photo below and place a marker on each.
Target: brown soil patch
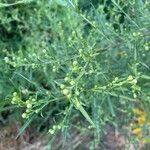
(112, 140)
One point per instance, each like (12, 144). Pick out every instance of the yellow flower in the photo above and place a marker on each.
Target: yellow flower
(141, 120)
(137, 131)
(139, 112)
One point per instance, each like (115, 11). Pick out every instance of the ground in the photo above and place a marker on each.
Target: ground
(29, 140)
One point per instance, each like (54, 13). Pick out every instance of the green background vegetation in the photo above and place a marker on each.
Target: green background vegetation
(85, 60)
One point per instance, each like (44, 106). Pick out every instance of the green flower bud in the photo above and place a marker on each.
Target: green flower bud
(51, 131)
(6, 59)
(28, 110)
(134, 95)
(62, 86)
(77, 93)
(14, 99)
(29, 105)
(80, 50)
(66, 79)
(65, 92)
(12, 102)
(72, 82)
(134, 34)
(54, 69)
(116, 78)
(59, 127)
(68, 96)
(73, 32)
(25, 91)
(91, 71)
(130, 78)
(146, 48)
(15, 94)
(33, 100)
(75, 63)
(134, 81)
(28, 102)
(103, 87)
(54, 127)
(37, 111)
(24, 115)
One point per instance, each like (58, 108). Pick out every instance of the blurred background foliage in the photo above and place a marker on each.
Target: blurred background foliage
(107, 40)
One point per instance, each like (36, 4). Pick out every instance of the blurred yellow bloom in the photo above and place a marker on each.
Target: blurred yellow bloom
(137, 131)
(141, 120)
(139, 112)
